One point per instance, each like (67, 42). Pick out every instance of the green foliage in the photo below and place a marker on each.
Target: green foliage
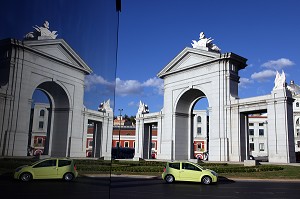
(92, 162)
(212, 164)
(156, 166)
(11, 163)
(243, 169)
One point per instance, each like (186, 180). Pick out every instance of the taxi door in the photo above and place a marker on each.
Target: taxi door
(45, 169)
(190, 172)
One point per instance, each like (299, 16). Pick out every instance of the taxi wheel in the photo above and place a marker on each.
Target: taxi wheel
(25, 177)
(169, 178)
(206, 180)
(68, 177)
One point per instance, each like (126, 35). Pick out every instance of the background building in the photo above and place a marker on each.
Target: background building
(39, 125)
(295, 89)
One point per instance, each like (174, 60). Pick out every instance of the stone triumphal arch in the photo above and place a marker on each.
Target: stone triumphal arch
(202, 71)
(42, 62)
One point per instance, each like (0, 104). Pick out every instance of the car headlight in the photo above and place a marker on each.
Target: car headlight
(18, 169)
(214, 173)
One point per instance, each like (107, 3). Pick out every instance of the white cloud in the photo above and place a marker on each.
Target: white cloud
(244, 82)
(157, 83)
(94, 79)
(153, 82)
(263, 75)
(134, 87)
(132, 103)
(128, 87)
(278, 64)
(125, 87)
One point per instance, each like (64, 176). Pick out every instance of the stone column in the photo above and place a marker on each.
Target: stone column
(280, 127)
(139, 135)
(107, 129)
(159, 134)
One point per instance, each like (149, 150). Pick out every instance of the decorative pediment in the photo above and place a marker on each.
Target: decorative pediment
(188, 58)
(58, 49)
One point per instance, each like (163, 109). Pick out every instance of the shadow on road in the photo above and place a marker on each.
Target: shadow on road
(224, 180)
(6, 176)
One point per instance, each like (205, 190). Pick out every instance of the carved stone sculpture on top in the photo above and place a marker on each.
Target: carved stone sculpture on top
(143, 108)
(104, 106)
(279, 80)
(41, 33)
(205, 43)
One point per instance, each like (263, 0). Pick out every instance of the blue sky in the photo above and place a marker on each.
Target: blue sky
(89, 28)
(153, 32)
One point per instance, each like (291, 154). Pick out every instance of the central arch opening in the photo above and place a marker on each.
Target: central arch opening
(191, 125)
(49, 129)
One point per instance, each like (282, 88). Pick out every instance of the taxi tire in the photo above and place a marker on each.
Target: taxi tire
(25, 177)
(169, 178)
(68, 177)
(206, 180)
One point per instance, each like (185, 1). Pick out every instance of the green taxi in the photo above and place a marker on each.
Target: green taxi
(50, 168)
(188, 171)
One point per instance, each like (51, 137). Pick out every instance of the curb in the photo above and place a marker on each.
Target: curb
(263, 180)
(221, 179)
(120, 176)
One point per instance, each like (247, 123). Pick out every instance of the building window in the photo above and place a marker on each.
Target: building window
(153, 146)
(199, 146)
(251, 146)
(42, 113)
(199, 131)
(126, 144)
(261, 147)
(297, 104)
(90, 142)
(117, 144)
(261, 132)
(199, 119)
(251, 124)
(41, 125)
(251, 132)
(298, 143)
(133, 144)
(298, 132)
(297, 122)
(40, 141)
(261, 124)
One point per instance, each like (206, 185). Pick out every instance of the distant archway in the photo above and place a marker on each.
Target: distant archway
(197, 73)
(49, 65)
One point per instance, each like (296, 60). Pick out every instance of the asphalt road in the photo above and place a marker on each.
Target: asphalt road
(144, 188)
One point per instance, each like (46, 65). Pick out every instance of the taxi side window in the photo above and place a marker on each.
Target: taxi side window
(188, 166)
(62, 163)
(174, 165)
(46, 163)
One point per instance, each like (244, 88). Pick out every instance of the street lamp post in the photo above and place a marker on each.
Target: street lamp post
(120, 117)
